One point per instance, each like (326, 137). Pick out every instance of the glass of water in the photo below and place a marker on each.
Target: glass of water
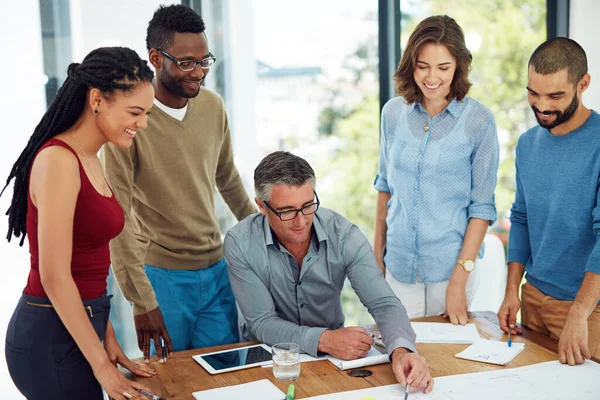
(286, 361)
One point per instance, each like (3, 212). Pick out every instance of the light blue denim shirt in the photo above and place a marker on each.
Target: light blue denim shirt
(284, 303)
(440, 172)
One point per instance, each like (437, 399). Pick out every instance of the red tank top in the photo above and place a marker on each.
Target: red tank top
(97, 220)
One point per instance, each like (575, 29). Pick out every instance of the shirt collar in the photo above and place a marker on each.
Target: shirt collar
(269, 235)
(454, 107)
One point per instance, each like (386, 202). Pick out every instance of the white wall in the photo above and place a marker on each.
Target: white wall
(23, 102)
(584, 28)
(242, 116)
(127, 27)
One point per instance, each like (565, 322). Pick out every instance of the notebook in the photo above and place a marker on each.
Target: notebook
(491, 351)
(263, 389)
(373, 357)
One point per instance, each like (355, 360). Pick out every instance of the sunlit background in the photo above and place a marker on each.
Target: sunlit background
(297, 76)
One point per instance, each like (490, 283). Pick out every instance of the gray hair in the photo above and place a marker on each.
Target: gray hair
(281, 168)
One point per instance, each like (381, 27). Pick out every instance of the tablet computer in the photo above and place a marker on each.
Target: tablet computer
(233, 359)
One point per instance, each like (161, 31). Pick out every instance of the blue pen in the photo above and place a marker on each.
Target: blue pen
(509, 341)
(406, 391)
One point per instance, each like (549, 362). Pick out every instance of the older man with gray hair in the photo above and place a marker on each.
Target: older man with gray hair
(287, 267)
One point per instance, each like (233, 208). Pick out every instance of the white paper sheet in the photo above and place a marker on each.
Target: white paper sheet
(373, 357)
(263, 389)
(492, 352)
(439, 332)
(545, 381)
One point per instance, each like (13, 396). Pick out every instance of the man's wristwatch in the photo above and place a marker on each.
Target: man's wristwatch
(467, 265)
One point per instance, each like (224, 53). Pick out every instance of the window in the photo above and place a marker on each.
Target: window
(301, 77)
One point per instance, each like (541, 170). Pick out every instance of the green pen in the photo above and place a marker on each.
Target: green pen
(290, 392)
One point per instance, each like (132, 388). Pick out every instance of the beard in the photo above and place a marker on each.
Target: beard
(175, 86)
(561, 116)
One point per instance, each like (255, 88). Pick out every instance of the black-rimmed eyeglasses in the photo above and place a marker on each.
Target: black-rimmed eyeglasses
(190, 65)
(291, 214)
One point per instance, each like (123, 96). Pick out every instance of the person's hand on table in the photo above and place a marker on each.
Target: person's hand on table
(151, 325)
(456, 304)
(117, 356)
(116, 385)
(507, 315)
(346, 343)
(573, 345)
(412, 369)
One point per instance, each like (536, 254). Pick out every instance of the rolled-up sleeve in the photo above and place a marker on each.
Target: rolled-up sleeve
(484, 172)
(375, 293)
(380, 183)
(256, 304)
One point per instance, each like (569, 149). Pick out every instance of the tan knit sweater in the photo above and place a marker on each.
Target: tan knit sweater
(166, 185)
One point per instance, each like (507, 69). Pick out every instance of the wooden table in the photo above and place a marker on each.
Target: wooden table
(182, 375)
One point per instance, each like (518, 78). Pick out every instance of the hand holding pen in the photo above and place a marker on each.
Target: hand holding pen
(507, 315)
(412, 370)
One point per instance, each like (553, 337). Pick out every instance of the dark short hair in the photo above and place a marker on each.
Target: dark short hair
(557, 54)
(439, 29)
(281, 168)
(169, 20)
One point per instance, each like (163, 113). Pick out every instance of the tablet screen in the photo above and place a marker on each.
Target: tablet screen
(237, 357)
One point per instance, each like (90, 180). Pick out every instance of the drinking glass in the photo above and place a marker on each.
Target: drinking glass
(286, 361)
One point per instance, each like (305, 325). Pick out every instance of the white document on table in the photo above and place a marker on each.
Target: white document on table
(491, 351)
(439, 332)
(263, 389)
(373, 357)
(545, 381)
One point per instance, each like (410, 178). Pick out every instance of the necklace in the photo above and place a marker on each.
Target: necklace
(96, 180)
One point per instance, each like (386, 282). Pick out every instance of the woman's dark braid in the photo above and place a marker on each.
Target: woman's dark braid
(107, 69)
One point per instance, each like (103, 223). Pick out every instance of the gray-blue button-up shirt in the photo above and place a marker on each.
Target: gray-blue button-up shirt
(284, 303)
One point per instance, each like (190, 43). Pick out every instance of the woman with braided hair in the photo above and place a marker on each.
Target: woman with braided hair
(60, 343)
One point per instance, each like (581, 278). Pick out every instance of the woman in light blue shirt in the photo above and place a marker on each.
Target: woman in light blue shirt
(437, 174)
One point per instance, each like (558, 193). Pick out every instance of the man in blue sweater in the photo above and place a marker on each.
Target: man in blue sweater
(555, 232)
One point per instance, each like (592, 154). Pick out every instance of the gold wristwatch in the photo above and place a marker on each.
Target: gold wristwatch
(467, 265)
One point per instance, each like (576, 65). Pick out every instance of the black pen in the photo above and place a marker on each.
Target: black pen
(149, 395)
(164, 350)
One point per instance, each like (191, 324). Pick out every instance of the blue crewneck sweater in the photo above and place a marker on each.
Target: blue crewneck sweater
(555, 218)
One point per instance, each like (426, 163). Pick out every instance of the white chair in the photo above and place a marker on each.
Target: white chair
(492, 273)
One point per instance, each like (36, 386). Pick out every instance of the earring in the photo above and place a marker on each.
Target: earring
(96, 111)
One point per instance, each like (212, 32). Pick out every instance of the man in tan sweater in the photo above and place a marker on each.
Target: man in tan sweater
(169, 256)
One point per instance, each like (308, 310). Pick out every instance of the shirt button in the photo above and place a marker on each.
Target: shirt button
(301, 305)
(299, 283)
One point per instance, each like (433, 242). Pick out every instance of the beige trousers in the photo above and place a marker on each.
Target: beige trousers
(547, 315)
